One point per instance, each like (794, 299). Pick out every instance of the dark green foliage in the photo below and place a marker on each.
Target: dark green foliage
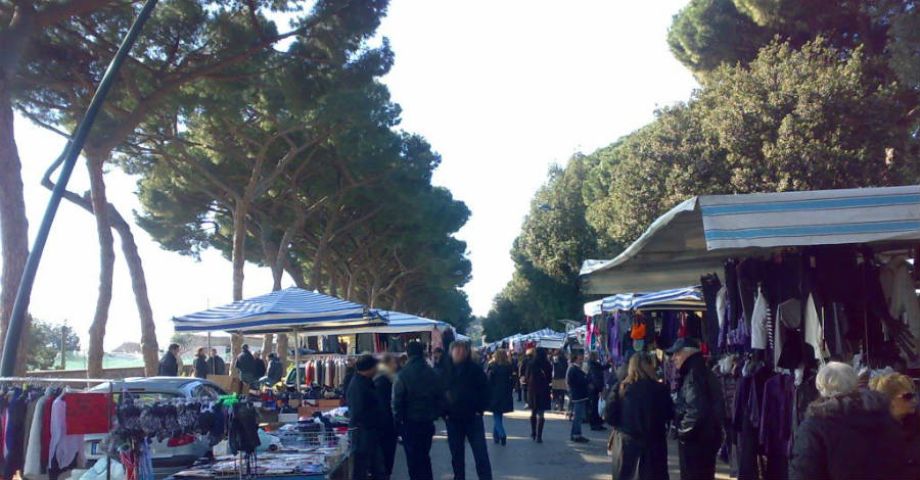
(45, 344)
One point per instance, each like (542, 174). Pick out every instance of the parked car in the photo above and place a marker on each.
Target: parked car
(170, 455)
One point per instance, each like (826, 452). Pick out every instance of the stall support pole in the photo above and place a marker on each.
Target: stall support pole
(297, 358)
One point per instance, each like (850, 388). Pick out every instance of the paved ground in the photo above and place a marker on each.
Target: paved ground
(522, 459)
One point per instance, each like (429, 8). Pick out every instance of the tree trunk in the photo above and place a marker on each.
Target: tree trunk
(14, 226)
(267, 345)
(238, 257)
(95, 162)
(283, 348)
(149, 346)
(296, 272)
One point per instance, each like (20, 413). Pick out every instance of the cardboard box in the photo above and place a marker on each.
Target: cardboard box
(324, 404)
(307, 411)
(229, 384)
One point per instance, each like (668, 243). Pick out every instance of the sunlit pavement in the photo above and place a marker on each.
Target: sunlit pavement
(522, 459)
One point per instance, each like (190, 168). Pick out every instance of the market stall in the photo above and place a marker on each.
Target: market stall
(619, 324)
(789, 281)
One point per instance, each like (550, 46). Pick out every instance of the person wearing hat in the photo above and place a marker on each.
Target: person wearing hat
(699, 411)
(366, 417)
(418, 400)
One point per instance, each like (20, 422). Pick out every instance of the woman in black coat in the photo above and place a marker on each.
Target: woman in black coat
(639, 409)
(501, 386)
(539, 392)
(848, 434)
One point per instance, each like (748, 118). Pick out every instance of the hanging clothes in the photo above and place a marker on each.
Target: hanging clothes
(776, 426)
(814, 330)
(901, 297)
(64, 448)
(759, 322)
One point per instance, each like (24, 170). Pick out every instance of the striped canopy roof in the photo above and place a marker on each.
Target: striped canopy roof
(687, 298)
(396, 322)
(280, 311)
(695, 237)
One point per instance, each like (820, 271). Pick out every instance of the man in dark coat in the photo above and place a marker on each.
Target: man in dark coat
(246, 366)
(260, 365)
(169, 363)
(467, 399)
(216, 365)
(418, 400)
(383, 385)
(697, 412)
(367, 417)
(596, 385)
(201, 364)
(577, 382)
(275, 370)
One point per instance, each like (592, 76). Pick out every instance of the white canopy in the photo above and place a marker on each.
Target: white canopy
(695, 237)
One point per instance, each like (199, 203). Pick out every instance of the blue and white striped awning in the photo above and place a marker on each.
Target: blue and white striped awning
(622, 301)
(280, 311)
(396, 322)
(695, 237)
(688, 298)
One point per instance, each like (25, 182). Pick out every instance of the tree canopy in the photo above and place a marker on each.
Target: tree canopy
(794, 96)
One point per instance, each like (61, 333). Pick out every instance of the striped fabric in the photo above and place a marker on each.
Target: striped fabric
(280, 311)
(859, 215)
(621, 301)
(396, 322)
(687, 298)
(679, 298)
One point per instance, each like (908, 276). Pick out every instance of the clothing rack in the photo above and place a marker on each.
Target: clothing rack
(64, 381)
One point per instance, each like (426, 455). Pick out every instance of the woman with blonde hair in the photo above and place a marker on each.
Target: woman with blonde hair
(501, 386)
(639, 410)
(899, 389)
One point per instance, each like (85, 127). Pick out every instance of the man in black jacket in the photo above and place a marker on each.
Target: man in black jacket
(245, 365)
(595, 390)
(216, 365)
(577, 382)
(418, 400)
(201, 364)
(467, 399)
(275, 370)
(169, 363)
(697, 412)
(366, 418)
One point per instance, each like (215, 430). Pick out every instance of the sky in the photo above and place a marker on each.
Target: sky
(502, 90)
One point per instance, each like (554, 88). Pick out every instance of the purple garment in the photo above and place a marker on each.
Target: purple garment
(613, 338)
(670, 324)
(778, 395)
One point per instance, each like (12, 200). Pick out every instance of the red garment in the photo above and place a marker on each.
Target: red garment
(87, 413)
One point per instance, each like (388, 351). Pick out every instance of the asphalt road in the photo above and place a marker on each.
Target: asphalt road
(522, 459)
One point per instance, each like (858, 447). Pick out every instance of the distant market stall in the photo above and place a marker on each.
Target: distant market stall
(614, 323)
